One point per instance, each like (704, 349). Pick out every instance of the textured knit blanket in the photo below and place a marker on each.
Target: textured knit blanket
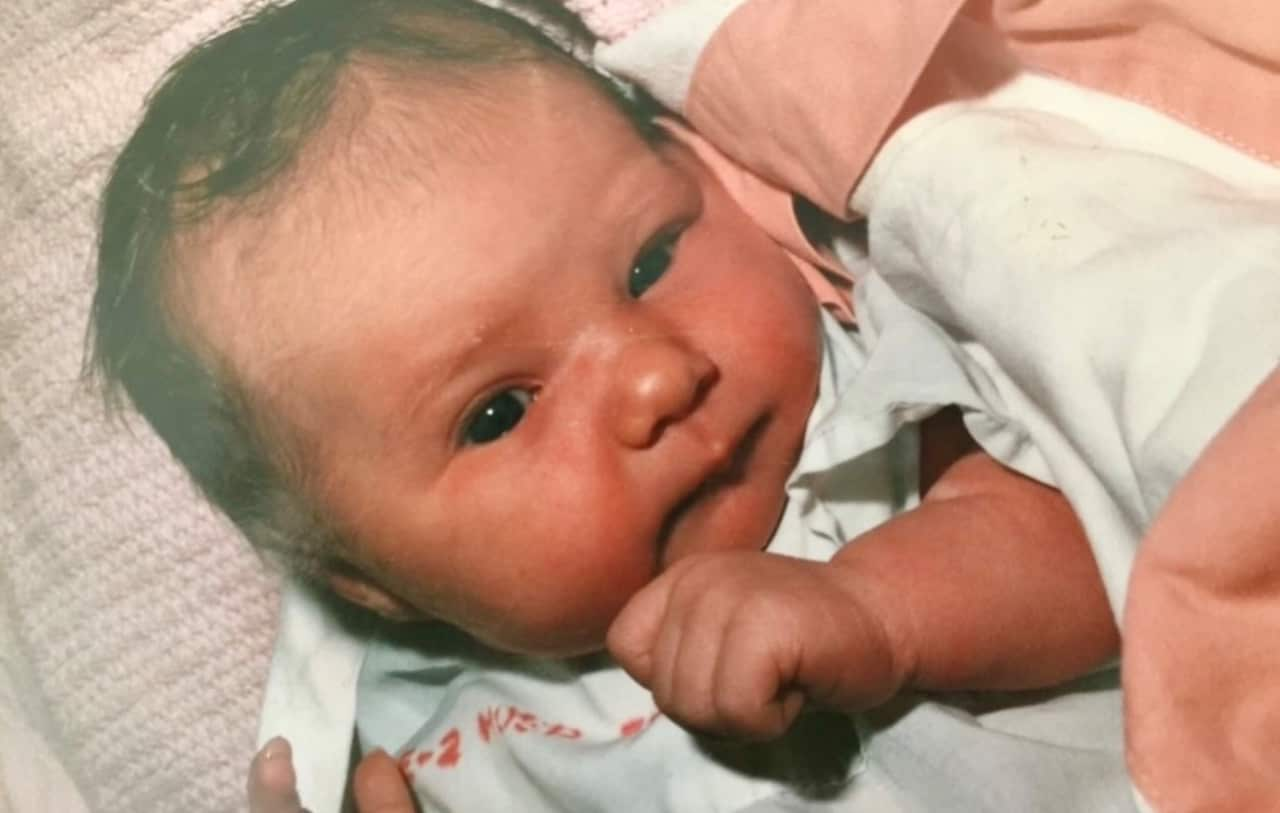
(135, 624)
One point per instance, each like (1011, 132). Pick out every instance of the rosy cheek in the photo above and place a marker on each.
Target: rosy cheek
(569, 616)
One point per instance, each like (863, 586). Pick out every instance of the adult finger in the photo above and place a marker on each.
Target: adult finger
(379, 786)
(272, 782)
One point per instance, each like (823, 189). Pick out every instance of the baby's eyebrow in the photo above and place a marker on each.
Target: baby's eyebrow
(450, 373)
(433, 382)
(410, 417)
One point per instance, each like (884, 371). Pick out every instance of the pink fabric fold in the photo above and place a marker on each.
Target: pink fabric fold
(1213, 66)
(1201, 668)
(813, 138)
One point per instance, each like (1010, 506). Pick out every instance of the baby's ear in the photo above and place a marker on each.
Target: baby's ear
(360, 590)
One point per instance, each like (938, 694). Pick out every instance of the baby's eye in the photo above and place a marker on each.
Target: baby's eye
(496, 417)
(652, 263)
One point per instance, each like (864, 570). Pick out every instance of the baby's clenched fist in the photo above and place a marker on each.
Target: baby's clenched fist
(734, 643)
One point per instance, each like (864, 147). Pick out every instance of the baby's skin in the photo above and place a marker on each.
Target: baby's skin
(612, 415)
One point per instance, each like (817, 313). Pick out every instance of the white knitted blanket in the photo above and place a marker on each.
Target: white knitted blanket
(135, 625)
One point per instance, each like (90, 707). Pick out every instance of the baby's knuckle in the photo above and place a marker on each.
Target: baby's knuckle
(693, 716)
(678, 706)
(738, 715)
(756, 605)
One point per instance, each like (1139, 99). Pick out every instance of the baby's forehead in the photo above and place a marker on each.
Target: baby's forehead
(268, 282)
(387, 116)
(234, 288)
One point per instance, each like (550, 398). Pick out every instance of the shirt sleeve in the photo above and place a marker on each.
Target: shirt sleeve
(1125, 301)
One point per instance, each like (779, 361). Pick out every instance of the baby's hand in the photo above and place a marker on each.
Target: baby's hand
(734, 643)
(378, 786)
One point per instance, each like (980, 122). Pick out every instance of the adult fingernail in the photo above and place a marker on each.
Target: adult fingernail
(276, 748)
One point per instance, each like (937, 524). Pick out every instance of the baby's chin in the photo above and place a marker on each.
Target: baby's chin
(551, 637)
(551, 647)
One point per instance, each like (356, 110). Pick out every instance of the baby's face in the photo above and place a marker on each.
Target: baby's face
(533, 372)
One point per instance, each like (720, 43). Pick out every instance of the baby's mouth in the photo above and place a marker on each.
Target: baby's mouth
(732, 473)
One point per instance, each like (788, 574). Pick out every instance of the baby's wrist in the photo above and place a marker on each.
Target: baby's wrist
(885, 615)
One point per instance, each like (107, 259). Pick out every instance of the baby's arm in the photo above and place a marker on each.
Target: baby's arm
(992, 573)
(988, 584)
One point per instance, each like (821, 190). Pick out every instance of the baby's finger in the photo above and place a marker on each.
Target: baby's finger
(634, 632)
(754, 695)
(272, 783)
(686, 656)
(379, 787)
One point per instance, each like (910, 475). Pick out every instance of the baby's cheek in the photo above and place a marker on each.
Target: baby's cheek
(572, 622)
(564, 593)
(596, 590)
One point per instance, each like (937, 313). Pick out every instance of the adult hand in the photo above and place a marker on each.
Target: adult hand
(377, 786)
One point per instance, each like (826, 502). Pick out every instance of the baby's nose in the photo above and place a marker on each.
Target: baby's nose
(657, 381)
